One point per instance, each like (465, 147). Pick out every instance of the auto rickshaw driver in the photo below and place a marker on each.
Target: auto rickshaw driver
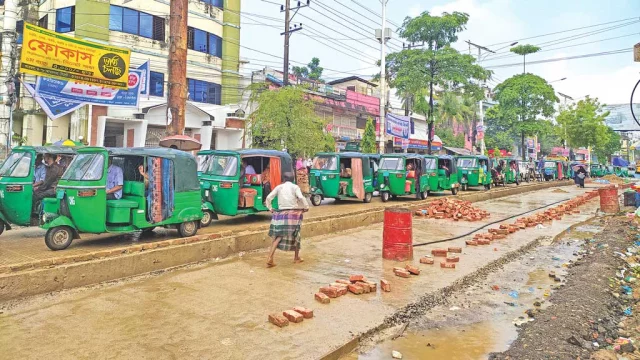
(48, 186)
(115, 181)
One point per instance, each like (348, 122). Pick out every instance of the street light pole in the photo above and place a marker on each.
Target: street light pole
(383, 75)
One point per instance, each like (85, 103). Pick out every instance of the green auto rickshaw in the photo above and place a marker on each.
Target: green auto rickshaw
(341, 176)
(403, 174)
(237, 182)
(443, 174)
(553, 170)
(512, 171)
(598, 170)
(621, 171)
(473, 170)
(17, 177)
(159, 188)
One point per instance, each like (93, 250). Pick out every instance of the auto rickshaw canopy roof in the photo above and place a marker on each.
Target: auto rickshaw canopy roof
(248, 152)
(346, 154)
(403, 155)
(64, 150)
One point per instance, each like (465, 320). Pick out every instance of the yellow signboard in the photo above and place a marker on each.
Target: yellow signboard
(48, 53)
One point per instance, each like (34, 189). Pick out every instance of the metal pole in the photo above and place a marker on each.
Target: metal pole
(481, 110)
(177, 97)
(7, 70)
(383, 74)
(285, 77)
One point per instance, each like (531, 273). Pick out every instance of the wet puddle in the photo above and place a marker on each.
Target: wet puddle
(540, 278)
(470, 342)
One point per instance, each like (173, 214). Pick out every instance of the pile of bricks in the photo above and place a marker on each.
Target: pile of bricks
(357, 284)
(555, 213)
(452, 209)
(407, 271)
(296, 315)
(449, 254)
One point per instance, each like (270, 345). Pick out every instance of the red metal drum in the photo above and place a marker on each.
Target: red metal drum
(609, 202)
(397, 235)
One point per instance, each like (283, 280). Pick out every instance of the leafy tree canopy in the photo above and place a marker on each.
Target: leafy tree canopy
(368, 143)
(285, 118)
(524, 49)
(312, 71)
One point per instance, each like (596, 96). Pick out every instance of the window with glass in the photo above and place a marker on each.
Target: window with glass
(223, 165)
(466, 162)
(136, 22)
(325, 163)
(156, 84)
(65, 19)
(204, 162)
(391, 163)
(205, 92)
(431, 164)
(16, 165)
(19, 31)
(88, 167)
(202, 41)
(216, 3)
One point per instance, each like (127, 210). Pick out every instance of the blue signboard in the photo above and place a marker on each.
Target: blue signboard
(92, 94)
(53, 106)
(398, 126)
(144, 81)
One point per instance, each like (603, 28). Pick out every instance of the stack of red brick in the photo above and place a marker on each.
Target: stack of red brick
(452, 209)
(357, 284)
(297, 315)
(555, 213)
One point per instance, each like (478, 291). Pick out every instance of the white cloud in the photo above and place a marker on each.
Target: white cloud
(415, 10)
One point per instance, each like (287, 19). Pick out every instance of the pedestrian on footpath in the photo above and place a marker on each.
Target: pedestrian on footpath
(287, 220)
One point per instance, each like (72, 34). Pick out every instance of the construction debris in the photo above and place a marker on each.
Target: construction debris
(452, 209)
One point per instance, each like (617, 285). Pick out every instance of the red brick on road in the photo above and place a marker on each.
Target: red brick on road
(278, 320)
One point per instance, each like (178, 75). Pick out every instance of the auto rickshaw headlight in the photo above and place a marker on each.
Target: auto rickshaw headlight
(381, 186)
(206, 193)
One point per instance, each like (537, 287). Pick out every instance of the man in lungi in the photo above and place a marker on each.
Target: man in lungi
(287, 220)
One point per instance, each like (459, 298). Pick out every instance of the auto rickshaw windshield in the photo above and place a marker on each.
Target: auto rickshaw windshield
(17, 165)
(467, 163)
(85, 167)
(432, 163)
(223, 165)
(204, 161)
(390, 163)
(325, 162)
(549, 164)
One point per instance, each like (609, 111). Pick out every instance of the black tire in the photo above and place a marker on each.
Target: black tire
(316, 200)
(368, 197)
(384, 196)
(394, 197)
(207, 218)
(487, 187)
(188, 229)
(454, 191)
(58, 238)
(464, 187)
(2, 227)
(424, 195)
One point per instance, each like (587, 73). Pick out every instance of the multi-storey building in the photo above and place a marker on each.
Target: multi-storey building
(213, 72)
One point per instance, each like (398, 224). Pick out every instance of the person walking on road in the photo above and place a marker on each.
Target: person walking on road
(287, 220)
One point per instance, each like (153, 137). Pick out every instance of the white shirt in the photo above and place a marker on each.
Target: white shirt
(249, 170)
(289, 197)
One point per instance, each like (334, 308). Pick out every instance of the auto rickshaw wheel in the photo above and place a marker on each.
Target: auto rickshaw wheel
(454, 191)
(424, 194)
(58, 238)
(316, 200)
(367, 198)
(2, 226)
(207, 218)
(385, 196)
(187, 229)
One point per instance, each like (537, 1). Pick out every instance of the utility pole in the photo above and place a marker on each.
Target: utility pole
(286, 8)
(8, 70)
(385, 34)
(177, 89)
(480, 103)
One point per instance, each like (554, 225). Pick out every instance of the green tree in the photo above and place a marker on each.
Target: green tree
(312, 71)
(368, 143)
(524, 50)
(522, 100)
(500, 133)
(583, 125)
(329, 143)
(448, 138)
(285, 118)
(411, 71)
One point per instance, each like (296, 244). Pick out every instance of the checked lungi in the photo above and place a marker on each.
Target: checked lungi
(286, 225)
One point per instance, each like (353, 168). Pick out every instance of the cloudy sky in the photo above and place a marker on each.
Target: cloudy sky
(340, 33)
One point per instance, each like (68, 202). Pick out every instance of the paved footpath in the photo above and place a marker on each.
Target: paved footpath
(218, 310)
(24, 245)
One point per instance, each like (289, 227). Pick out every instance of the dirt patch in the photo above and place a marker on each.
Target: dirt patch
(558, 190)
(586, 313)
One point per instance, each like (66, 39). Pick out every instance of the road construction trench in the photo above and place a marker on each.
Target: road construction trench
(218, 310)
(481, 319)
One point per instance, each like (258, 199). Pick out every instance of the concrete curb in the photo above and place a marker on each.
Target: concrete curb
(27, 279)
